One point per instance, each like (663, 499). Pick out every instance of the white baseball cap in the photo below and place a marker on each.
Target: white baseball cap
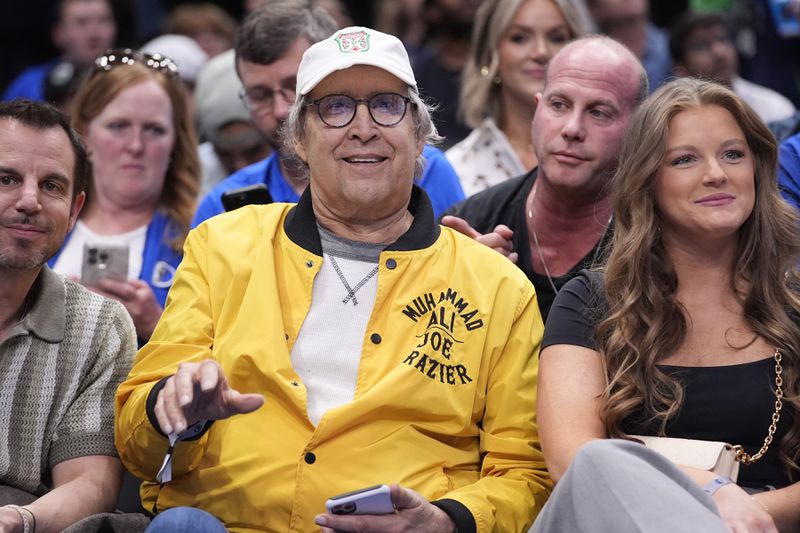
(352, 46)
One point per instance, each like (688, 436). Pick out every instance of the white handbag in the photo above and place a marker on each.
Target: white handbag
(719, 457)
(714, 456)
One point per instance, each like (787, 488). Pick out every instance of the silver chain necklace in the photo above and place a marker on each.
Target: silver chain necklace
(536, 239)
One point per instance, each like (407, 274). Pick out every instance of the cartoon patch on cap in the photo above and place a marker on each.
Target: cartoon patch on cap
(353, 42)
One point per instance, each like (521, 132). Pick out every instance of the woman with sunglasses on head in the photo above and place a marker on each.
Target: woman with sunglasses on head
(690, 330)
(512, 41)
(133, 115)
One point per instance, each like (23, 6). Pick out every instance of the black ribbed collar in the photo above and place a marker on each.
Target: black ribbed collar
(301, 224)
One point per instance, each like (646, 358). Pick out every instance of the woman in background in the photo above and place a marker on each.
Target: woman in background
(512, 41)
(134, 118)
(691, 331)
(207, 23)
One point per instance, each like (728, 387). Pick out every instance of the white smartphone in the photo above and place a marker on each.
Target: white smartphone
(104, 261)
(371, 500)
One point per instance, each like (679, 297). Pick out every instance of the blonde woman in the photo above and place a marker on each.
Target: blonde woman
(512, 41)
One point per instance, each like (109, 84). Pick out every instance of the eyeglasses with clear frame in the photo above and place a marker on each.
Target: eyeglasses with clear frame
(339, 110)
(126, 56)
(259, 98)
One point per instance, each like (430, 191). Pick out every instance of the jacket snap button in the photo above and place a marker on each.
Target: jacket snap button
(310, 458)
(375, 338)
(309, 264)
(391, 264)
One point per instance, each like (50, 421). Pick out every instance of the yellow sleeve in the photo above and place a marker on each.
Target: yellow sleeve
(183, 334)
(514, 483)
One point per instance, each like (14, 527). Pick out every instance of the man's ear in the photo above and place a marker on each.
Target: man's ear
(75, 210)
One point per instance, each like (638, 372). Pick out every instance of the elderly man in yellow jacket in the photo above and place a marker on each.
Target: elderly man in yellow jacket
(312, 349)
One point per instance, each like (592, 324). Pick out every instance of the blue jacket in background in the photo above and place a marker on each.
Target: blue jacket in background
(30, 82)
(159, 261)
(439, 180)
(789, 170)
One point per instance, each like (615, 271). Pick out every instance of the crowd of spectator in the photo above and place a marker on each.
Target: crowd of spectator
(504, 239)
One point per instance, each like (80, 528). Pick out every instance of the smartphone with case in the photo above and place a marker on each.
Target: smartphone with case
(371, 500)
(102, 261)
(251, 194)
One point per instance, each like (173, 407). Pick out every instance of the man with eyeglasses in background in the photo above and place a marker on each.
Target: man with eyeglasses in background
(269, 44)
(370, 345)
(701, 46)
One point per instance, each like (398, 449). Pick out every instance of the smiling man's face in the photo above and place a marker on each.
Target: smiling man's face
(36, 201)
(362, 170)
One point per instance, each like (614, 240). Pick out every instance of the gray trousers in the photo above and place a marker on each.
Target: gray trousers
(618, 486)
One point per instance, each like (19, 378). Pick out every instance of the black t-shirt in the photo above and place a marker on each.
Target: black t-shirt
(504, 203)
(723, 403)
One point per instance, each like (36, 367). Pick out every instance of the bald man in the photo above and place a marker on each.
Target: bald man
(553, 221)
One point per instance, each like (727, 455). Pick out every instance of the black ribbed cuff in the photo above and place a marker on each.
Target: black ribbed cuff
(459, 514)
(150, 408)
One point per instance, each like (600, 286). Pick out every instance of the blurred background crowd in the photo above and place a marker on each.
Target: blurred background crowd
(186, 119)
(211, 112)
(60, 38)
(203, 112)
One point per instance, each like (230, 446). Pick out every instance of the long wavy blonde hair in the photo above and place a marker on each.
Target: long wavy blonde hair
(644, 322)
(182, 182)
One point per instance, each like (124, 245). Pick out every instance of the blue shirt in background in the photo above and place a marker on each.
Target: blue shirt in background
(789, 170)
(30, 83)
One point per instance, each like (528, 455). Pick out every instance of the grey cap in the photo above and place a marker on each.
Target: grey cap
(216, 95)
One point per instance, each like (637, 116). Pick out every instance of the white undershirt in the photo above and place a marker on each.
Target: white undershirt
(71, 258)
(327, 352)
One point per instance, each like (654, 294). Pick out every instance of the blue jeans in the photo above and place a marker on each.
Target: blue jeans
(187, 519)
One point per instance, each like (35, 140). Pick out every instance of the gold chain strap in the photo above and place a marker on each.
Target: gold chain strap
(741, 455)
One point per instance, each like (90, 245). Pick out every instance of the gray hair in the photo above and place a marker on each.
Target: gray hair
(293, 129)
(268, 32)
(480, 96)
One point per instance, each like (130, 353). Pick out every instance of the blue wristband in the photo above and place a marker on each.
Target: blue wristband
(715, 484)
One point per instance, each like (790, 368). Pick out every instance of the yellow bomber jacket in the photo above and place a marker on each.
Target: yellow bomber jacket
(445, 399)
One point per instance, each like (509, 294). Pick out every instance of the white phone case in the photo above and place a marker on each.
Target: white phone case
(371, 500)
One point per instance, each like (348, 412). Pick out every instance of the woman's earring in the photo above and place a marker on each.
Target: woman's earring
(485, 73)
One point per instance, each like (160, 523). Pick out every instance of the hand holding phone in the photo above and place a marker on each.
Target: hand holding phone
(371, 500)
(383, 508)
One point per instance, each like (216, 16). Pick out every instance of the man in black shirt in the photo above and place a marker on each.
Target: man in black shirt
(554, 221)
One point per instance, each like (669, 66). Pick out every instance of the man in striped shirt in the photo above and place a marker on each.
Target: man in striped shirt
(63, 349)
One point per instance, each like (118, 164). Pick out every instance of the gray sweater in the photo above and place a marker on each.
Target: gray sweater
(59, 370)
